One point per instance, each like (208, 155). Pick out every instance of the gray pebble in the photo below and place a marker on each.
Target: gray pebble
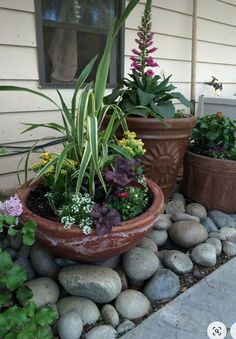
(125, 326)
(229, 248)
(159, 237)
(70, 326)
(149, 244)
(102, 332)
(222, 219)
(204, 254)
(217, 235)
(110, 315)
(16, 241)
(163, 222)
(174, 206)
(26, 265)
(43, 262)
(209, 225)
(196, 210)
(216, 243)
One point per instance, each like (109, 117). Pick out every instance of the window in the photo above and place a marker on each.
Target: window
(69, 34)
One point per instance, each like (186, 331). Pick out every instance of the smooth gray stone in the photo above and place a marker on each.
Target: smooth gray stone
(140, 263)
(174, 206)
(102, 332)
(189, 315)
(16, 241)
(177, 262)
(222, 219)
(62, 262)
(209, 225)
(217, 235)
(179, 216)
(86, 308)
(158, 236)
(204, 254)
(125, 326)
(11, 252)
(99, 283)
(149, 244)
(110, 315)
(43, 262)
(196, 210)
(163, 222)
(4, 243)
(70, 326)
(228, 232)
(163, 285)
(187, 233)
(178, 196)
(233, 216)
(110, 262)
(132, 304)
(24, 252)
(229, 248)
(26, 265)
(216, 243)
(45, 291)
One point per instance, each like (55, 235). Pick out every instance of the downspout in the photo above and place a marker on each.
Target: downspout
(194, 54)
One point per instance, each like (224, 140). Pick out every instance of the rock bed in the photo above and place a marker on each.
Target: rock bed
(108, 298)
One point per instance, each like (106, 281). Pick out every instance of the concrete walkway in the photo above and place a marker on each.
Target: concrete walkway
(188, 316)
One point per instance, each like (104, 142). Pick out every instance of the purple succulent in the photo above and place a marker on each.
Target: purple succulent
(105, 218)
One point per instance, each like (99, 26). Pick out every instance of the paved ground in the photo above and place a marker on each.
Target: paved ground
(188, 316)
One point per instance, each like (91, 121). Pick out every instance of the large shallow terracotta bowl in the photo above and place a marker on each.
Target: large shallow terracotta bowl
(73, 244)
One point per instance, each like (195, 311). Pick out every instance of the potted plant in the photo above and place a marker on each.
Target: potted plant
(146, 101)
(210, 163)
(91, 201)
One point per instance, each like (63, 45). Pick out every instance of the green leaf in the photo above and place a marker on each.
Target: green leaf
(5, 262)
(5, 298)
(30, 309)
(145, 98)
(51, 125)
(14, 277)
(165, 109)
(44, 170)
(83, 166)
(120, 150)
(28, 231)
(45, 316)
(23, 294)
(181, 98)
(61, 160)
(11, 231)
(10, 220)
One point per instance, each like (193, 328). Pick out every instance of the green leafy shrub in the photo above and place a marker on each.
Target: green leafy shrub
(19, 317)
(214, 136)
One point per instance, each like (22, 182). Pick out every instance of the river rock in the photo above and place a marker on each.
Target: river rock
(159, 237)
(229, 248)
(43, 262)
(70, 326)
(183, 216)
(228, 232)
(123, 277)
(24, 252)
(217, 235)
(179, 196)
(110, 262)
(174, 206)
(187, 233)
(177, 261)
(196, 210)
(204, 254)
(163, 222)
(26, 265)
(132, 304)
(102, 332)
(45, 291)
(110, 315)
(62, 262)
(11, 252)
(148, 244)
(209, 225)
(216, 243)
(233, 216)
(86, 308)
(99, 283)
(163, 285)
(222, 219)
(16, 241)
(125, 326)
(140, 263)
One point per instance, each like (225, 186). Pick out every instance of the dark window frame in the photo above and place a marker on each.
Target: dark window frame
(118, 50)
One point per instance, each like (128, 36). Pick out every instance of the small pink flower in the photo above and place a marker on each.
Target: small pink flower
(152, 50)
(136, 66)
(137, 40)
(139, 34)
(133, 58)
(150, 43)
(149, 73)
(13, 206)
(135, 51)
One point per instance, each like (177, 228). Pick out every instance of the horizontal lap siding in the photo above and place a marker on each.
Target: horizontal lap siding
(172, 25)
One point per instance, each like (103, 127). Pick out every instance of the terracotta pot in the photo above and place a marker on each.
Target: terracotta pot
(210, 182)
(73, 244)
(165, 145)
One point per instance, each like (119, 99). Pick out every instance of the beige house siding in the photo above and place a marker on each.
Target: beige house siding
(172, 24)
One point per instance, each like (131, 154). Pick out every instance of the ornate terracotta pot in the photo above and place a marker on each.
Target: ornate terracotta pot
(165, 144)
(210, 182)
(73, 244)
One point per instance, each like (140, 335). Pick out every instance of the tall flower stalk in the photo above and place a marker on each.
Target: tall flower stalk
(142, 62)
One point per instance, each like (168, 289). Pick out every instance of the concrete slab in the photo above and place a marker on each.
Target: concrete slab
(188, 316)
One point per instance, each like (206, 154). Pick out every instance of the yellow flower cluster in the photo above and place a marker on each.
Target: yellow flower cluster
(45, 158)
(132, 145)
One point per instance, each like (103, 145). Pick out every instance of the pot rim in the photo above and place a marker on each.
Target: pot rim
(147, 217)
(210, 159)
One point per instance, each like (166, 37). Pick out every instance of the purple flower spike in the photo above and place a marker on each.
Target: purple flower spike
(149, 73)
(13, 206)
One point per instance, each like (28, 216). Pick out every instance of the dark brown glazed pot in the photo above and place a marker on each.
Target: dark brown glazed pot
(210, 182)
(73, 244)
(165, 145)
